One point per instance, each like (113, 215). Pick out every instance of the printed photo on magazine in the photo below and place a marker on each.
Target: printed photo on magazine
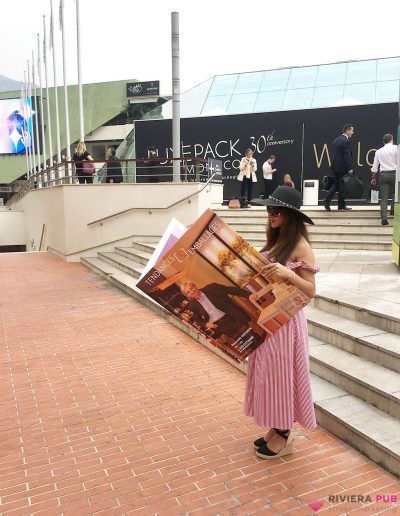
(210, 279)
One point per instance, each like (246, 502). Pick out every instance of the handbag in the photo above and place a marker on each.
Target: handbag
(326, 183)
(353, 187)
(234, 204)
(88, 168)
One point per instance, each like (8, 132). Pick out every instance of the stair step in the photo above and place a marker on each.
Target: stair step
(365, 341)
(363, 308)
(373, 383)
(319, 222)
(141, 257)
(367, 235)
(127, 265)
(148, 247)
(366, 428)
(343, 229)
(335, 244)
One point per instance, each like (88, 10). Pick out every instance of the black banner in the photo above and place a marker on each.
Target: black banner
(300, 140)
(143, 89)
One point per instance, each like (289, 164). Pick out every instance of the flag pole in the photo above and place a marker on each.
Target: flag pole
(41, 106)
(24, 124)
(33, 153)
(78, 40)
(47, 96)
(53, 48)
(36, 114)
(67, 132)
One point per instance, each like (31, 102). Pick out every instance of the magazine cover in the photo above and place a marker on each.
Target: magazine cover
(210, 279)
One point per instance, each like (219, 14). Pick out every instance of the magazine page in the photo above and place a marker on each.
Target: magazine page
(174, 231)
(210, 279)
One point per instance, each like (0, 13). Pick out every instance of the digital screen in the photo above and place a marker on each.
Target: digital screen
(16, 125)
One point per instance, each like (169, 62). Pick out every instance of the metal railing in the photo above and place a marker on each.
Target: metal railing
(156, 208)
(126, 171)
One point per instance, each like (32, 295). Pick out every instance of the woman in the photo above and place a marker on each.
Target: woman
(287, 181)
(114, 172)
(247, 175)
(278, 391)
(83, 171)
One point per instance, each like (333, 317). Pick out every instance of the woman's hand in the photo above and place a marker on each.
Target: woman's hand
(278, 271)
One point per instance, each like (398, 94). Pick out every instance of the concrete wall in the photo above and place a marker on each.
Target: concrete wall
(12, 227)
(66, 210)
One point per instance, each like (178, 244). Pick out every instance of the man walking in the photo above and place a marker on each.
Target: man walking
(268, 172)
(342, 164)
(385, 162)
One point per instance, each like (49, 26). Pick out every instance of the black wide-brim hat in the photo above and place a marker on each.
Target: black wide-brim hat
(285, 197)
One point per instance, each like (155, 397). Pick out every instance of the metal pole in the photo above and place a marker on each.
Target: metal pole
(33, 153)
(24, 124)
(41, 105)
(78, 40)
(47, 93)
(176, 116)
(67, 132)
(36, 114)
(27, 136)
(53, 47)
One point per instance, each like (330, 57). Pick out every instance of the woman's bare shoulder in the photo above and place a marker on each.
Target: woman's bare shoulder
(303, 252)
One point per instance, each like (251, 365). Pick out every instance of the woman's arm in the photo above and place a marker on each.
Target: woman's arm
(304, 279)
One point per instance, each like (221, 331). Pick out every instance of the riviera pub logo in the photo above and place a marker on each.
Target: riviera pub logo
(339, 499)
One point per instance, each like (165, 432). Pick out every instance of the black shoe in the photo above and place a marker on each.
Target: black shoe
(326, 206)
(384, 222)
(345, 208)
(265, 453)
(259, 443)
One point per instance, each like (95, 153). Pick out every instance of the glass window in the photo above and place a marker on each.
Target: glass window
(360, 93)
(327, 96)
(269, 101)
(388, 69)
(387, 91)
(192, 101)
(216, 105)
(243, 103)
(362, 71)
(249, 82)
(303, 77)
(223, 84)
(298, 99)
(275, 80)
(331, 75)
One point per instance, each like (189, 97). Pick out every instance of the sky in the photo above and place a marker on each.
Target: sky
(125, 39)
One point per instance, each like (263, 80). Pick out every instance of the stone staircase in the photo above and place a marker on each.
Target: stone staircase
(354, 356)
(358, 229)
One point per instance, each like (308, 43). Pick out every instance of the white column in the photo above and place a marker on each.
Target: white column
(36, 114)
(64, 61)
(78, 41)
(53, 48)
(176, 116)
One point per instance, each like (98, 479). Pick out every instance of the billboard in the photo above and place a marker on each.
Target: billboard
(143, 89)
(16, 125)
(301, 141)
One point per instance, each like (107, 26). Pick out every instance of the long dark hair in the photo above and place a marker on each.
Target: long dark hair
(281, 241)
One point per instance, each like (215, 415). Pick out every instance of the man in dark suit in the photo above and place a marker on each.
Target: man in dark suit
(342, 164)
(213, 309)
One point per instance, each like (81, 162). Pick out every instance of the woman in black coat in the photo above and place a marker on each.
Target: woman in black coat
(114, 172)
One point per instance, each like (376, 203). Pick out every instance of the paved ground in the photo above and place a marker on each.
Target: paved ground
(108, 409)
